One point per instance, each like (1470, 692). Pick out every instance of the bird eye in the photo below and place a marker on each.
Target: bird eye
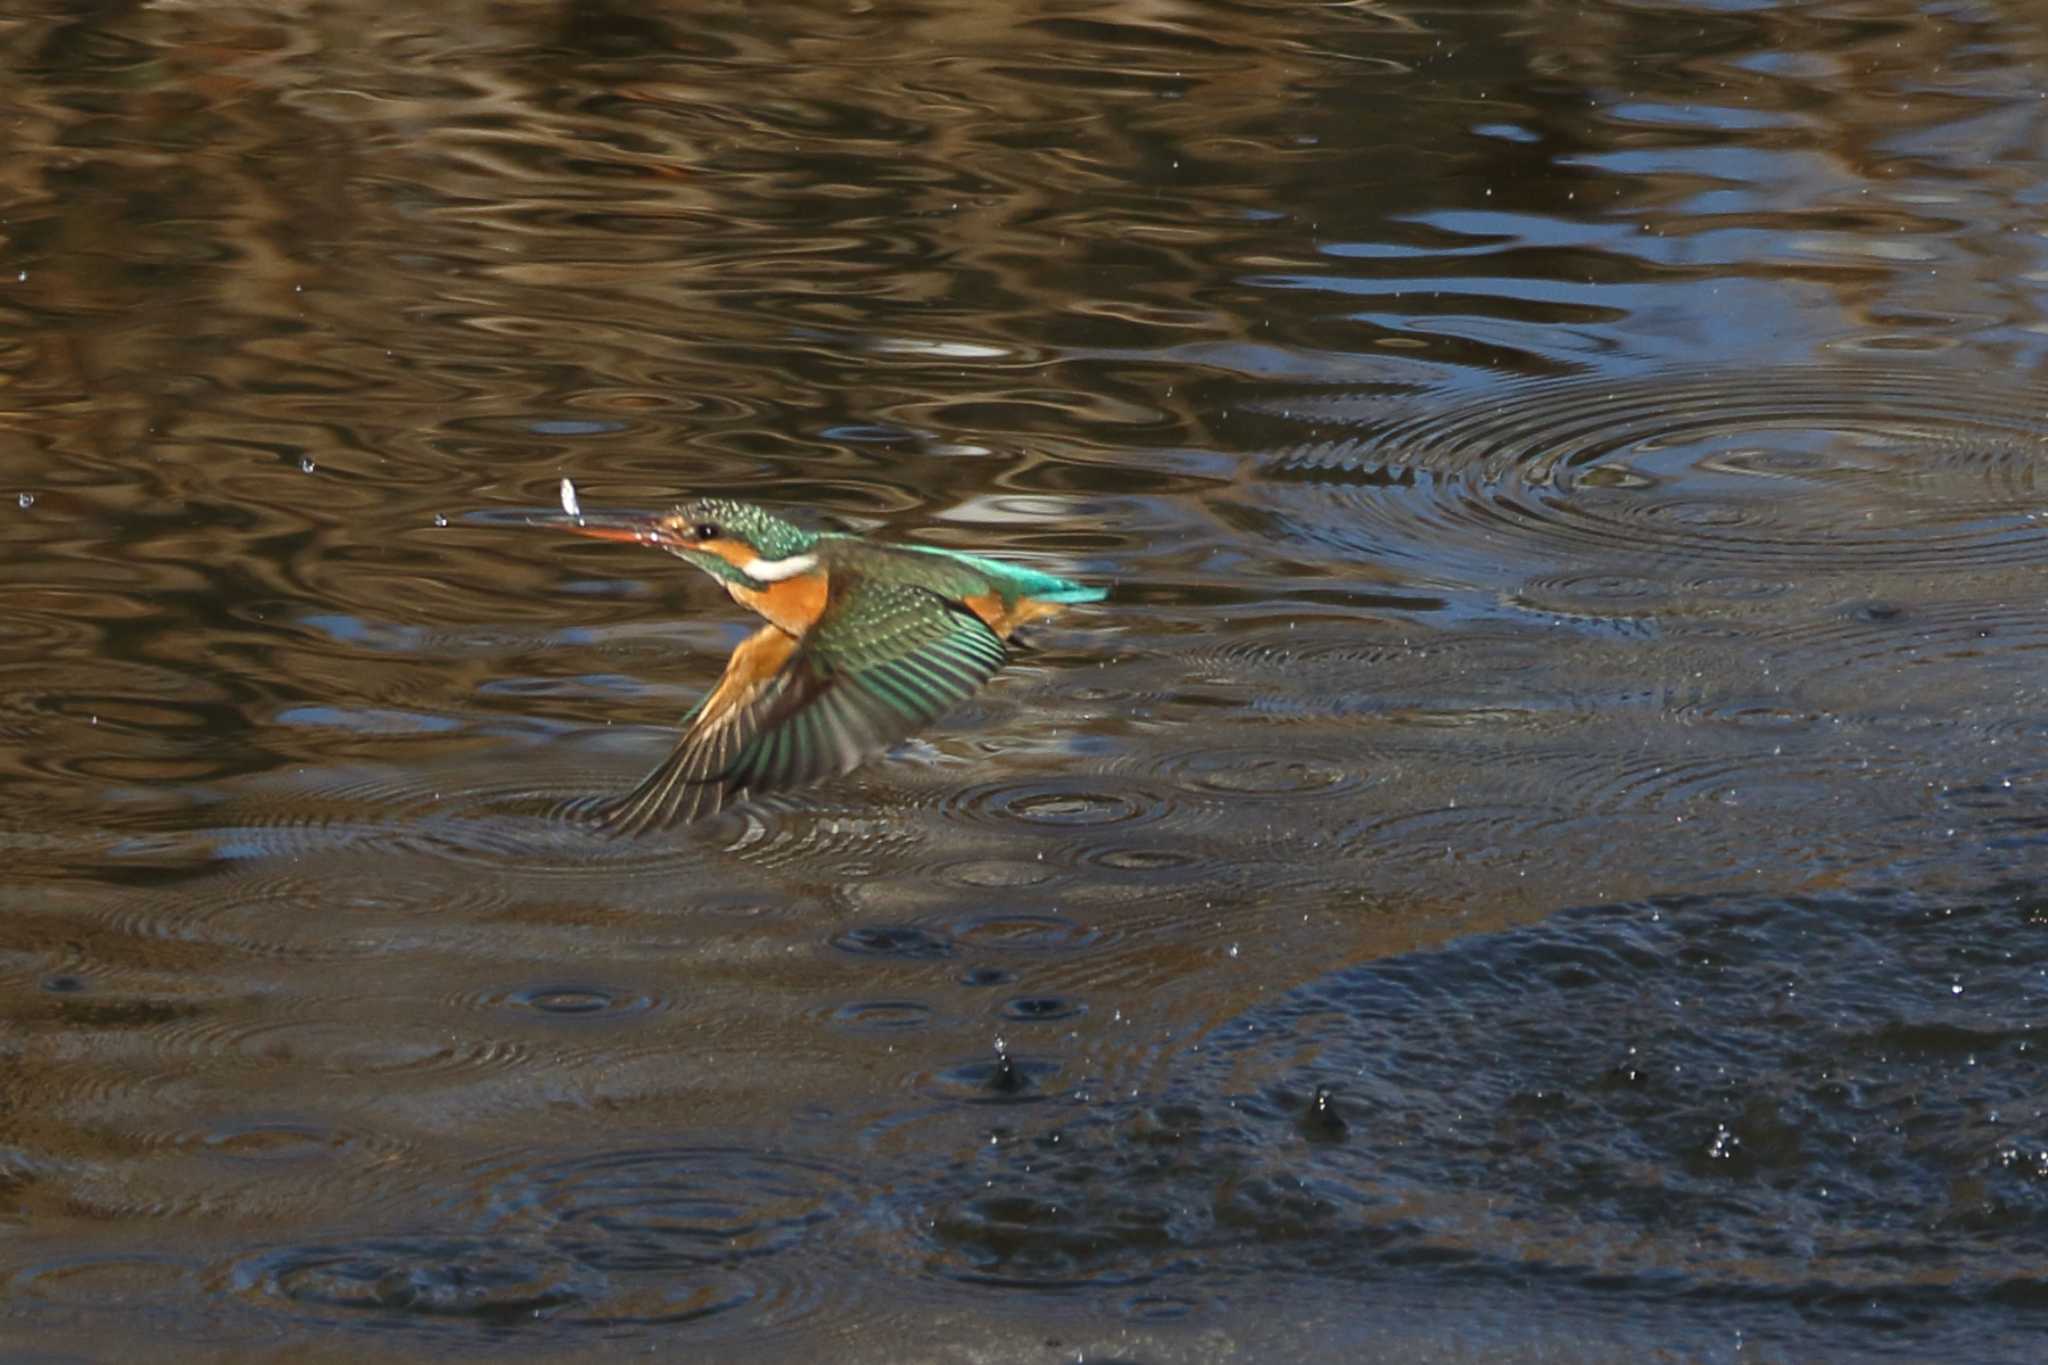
(704, 530)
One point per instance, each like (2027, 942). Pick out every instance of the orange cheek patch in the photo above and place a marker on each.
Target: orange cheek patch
(734, 552)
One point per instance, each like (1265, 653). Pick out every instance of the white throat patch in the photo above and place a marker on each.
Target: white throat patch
(775, 570)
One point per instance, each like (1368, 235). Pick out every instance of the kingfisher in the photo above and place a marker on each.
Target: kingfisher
(864, 643)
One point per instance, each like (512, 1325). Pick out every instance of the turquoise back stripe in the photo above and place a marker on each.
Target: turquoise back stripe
(1029, 582)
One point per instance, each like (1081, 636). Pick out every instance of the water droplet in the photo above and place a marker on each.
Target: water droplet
(1005, 1078)
(306, 465)
(440, 520)
(27, 500)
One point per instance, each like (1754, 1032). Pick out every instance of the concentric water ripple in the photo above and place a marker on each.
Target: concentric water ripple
(567, 1005)
(497, 818)
(418, 1280)
(1058, 805)
(1318, 668)
(1012, 931)
(273, 1142)
(249, 1166)
(166, 1145)
(1249, 773)
(1002, 1079)
(139, 1277)
(486, 817)
(1989, 645)
(338, 1045)
(881, 1016)
(728, 1241)
(305, 911)
(1568, 817)
(667, 1206)
(1796, 471)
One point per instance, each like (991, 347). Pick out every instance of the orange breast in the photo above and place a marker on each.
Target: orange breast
(794, 604)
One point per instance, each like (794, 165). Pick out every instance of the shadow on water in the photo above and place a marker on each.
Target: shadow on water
(1777, 1113)
(1538, 856)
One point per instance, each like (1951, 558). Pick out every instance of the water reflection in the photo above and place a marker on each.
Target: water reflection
(1570, 478)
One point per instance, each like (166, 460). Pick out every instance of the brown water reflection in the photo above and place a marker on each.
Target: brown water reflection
(1571, 477)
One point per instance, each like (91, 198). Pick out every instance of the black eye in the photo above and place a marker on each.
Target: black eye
(704, 530)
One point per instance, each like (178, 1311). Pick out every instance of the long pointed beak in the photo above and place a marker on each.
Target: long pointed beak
(639, 528)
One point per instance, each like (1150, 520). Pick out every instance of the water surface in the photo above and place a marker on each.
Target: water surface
(1536, 858)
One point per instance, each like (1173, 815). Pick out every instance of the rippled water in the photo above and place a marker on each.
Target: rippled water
(1536, 857)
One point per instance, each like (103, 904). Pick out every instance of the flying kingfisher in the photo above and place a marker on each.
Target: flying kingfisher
(865, 643)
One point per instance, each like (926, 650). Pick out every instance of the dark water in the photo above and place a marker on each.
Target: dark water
(1543, 855)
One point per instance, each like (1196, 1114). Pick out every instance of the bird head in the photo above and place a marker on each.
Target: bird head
(734, 542)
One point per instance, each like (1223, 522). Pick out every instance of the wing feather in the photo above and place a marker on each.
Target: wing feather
(884, 660)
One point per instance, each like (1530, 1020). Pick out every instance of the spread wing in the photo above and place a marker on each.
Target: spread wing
(884, 660)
